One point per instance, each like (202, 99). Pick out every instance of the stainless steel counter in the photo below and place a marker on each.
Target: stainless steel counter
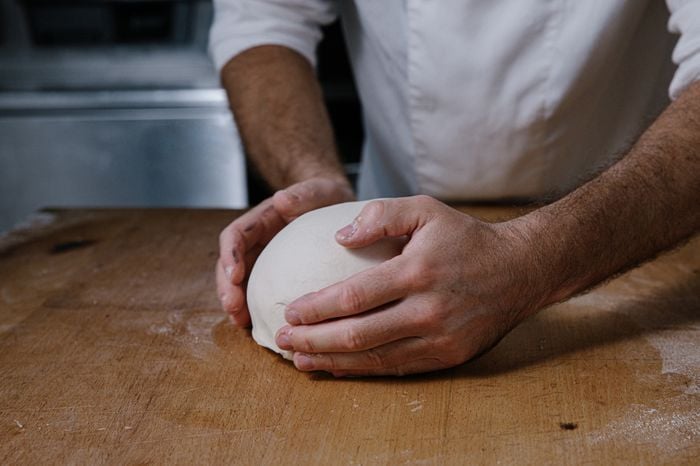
(150, 148)
(112, 103)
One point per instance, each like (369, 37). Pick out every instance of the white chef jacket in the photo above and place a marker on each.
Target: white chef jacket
(488, 99)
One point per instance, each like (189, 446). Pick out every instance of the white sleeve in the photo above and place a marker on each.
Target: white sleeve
(685, 20)
(241, 24)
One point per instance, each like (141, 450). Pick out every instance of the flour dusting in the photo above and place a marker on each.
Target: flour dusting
(672, 425)
(678, 344)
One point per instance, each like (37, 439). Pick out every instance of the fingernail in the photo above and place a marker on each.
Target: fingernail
(292, 316)
(304, 362)
(229, 270)
(347, 231)
(283, 340)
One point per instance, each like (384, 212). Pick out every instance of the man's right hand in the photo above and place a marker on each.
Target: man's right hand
(284, 126)
(241, 242)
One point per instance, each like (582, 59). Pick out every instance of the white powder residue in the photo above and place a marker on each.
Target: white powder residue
(415, 405)
(192, 330)
(20, 230)
(680, 354)
(665, 321)
(678, 344)
(673, 425)
(36, 220)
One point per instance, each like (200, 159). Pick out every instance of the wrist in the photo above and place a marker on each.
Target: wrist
(316, 166)
(563, 251)
(330, 174)
(539, 263)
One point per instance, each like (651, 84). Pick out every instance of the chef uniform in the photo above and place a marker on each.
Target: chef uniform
(488, 99)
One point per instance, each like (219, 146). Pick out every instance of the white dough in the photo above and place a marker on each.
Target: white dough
(302, 258)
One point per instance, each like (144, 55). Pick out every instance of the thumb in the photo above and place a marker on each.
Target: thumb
(385, 218)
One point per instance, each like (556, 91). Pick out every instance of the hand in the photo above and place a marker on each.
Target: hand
(457, 288)
(241, 242)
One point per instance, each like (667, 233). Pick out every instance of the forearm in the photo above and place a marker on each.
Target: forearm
(279, 110)
(644, 204)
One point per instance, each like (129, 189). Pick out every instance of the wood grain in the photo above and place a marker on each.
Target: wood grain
(113, 349)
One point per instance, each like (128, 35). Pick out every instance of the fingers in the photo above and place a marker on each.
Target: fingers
(257, 226)
(229, 256)
(248, 231)
(309, 195)
(356, 333)
(233, 242)
(406, 356)
(239, 307)
(223, 286)
(366, 290)
(240, 244)
(386, 218)
(232, 298)
(414, 367)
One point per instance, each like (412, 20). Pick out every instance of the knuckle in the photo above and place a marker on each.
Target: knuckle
(223, 297)
(429, 320)
(228, 307)
(350, 300)
(305, 190)
(419, 274)
(425, 200)
(286, 202)
(427, 205)
(376, 359)
(311, 315)
(441, 317)
(303, 343)
(263, 218)
(229, 237)
(374, 210)
(311, 312)
(425, 319)
(328, 363)
(432, 318)
(449, 351)
(353, 339)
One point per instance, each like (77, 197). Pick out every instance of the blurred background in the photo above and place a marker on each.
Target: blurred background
(115, 103)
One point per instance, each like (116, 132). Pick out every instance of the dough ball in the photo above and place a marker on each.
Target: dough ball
(305, 257)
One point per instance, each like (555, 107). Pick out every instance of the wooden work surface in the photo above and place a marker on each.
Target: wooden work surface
(113, 349)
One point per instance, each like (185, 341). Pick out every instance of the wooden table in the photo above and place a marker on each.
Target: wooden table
(113, 349)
